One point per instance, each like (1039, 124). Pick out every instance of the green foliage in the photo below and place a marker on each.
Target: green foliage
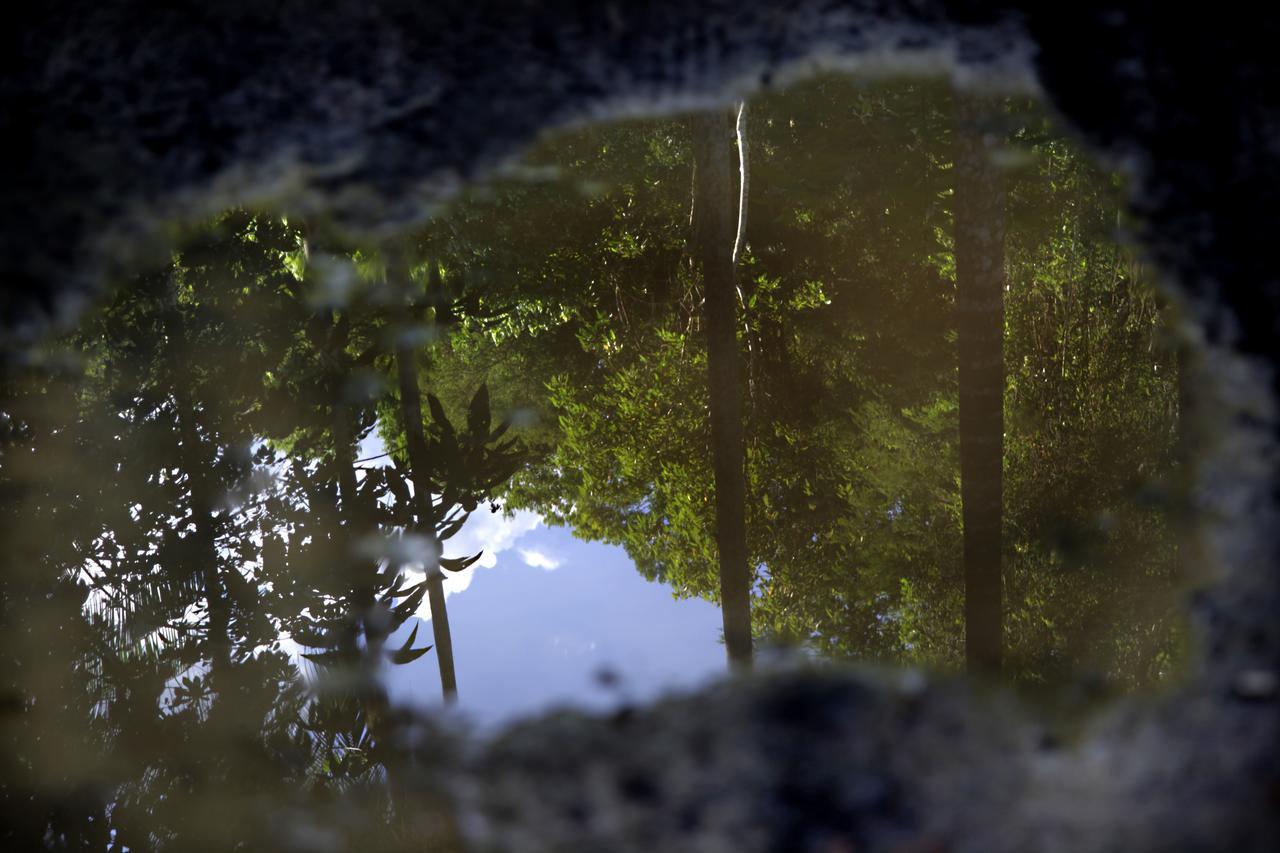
(847, 300)
(197, 461)
(181, 487)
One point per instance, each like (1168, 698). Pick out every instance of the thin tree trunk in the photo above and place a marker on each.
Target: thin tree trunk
(344, 417)
(714, 232)
(979, 254)
(419, 465)
(744, 182)
(196, 464)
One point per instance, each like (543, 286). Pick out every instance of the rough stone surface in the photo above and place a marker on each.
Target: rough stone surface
(122, 119)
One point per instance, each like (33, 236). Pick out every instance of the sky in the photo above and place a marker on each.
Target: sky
(539, 618)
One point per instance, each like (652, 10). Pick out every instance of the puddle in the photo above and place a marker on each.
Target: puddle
(237, 477)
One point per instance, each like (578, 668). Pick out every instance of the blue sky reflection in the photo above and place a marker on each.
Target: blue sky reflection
(542, 614)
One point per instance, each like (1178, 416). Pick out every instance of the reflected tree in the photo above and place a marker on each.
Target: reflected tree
(717, 235)
(980, 283)
(185, 514)
(847, 334)
(194, 444)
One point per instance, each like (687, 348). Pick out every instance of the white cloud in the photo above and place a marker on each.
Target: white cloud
(539, 560)
(489, 532)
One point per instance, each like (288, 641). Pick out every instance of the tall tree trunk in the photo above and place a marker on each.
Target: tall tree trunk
(330, 333)
(197, 462)
(419, 465)
(714, 230)
(744, 182)
(979, 254)
(356, 522)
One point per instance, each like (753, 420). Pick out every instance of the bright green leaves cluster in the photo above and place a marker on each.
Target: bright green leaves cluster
(848, 340)
(1092, 420)
(183, 487)
(468, 464)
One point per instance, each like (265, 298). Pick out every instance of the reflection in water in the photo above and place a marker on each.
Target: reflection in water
(901, 399)
(591, 633)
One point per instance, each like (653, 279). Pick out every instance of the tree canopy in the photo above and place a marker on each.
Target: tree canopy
(185, 502)
(847, 291)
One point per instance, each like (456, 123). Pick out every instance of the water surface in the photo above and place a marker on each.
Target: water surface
(904, 399)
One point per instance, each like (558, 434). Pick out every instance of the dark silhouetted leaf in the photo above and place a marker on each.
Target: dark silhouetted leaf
(402, 656)
(478, 417)
(457, 564)
(407, 653)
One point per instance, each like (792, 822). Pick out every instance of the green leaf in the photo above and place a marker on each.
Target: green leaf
(478, 417)
(409, 606)
(325, 658)
(396, 480)
(457, 564)
(450, 528)
(438, 417)
(407, 653)
(500, 430)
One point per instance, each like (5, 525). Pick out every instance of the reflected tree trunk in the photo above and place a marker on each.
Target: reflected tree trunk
(714, 231)
(419, 466)
(197, 464)
(744, 182)
(330, 332)
(346, 420)
(979, 256)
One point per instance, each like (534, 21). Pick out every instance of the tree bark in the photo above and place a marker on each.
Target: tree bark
(744, 182)
(979, 255)
(714, 231)
(419, 465)
(196, 462)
